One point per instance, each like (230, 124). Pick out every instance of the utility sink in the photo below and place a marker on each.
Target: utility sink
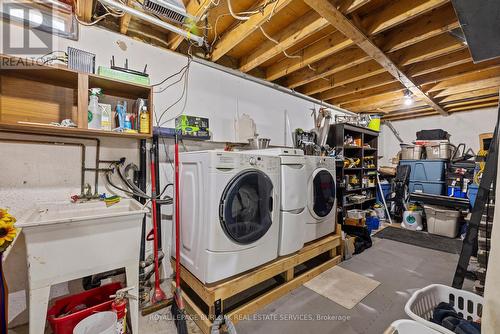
(67, 241)
(67, 212)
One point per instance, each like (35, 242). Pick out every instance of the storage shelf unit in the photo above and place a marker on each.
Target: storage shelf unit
(34, 96)
(369, 147)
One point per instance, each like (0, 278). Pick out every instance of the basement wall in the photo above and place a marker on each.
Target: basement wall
(464, 127)
(32, 173)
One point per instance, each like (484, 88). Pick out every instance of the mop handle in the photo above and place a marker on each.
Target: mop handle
(155, 221)
(177, 217)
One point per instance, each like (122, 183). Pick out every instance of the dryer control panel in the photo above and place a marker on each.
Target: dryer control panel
(231, 160)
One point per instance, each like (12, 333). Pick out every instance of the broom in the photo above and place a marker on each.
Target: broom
(158, 294)
(177, 309)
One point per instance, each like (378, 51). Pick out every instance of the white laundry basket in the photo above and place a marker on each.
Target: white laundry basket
(423, 301)
(409, 327)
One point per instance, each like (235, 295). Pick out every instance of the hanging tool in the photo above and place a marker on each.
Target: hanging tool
(394, 131)
(158, 294)
(178, 305)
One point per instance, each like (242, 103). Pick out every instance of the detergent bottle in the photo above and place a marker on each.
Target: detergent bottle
(94, 112)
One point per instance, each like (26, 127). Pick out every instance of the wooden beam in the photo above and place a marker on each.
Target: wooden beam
(420, 28)
(197, 8)
(361, 85)
(84, 10)
(411, 116)
(476, 106)
(439, 63)
(236, 35)
(341, 23)
(477, 101)
(427, 49)
(390, 87)
(286, 38)
(335, 63)
(125, 20)
(396, 12)
(314, 52)
(455, 71)
(467, 87)
(467, 78)
(471, 94)
(358, 72)
(349, 6)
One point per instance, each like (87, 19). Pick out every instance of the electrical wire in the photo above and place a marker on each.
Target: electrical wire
(109, 12)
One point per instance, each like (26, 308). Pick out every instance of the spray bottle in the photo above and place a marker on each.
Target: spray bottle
(94, 112)
(119, 306)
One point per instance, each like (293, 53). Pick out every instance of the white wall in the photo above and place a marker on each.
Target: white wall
(34, 173)
(464, 127)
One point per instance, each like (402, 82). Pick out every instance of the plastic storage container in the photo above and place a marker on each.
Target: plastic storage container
(356, 214)
(422, 303)
(95, 300)
(433, 188)
(442, 221)
(408, 327)
(472, 193)
(411, 151)
(425, 170)
(386, 190)
(372, 223)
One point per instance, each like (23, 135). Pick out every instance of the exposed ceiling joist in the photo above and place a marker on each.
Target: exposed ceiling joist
(358, 72)
(349, 6)
(312, 53)
(467, 78)
(232, 38)
(368, 83)
(341, 23)
(294, 33)
(84, 10)
(439, 63)
(420, 28)
(328, 66)
(396, 12)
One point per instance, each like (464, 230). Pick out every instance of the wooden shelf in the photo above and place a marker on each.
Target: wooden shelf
(58, 130)
(45, 94)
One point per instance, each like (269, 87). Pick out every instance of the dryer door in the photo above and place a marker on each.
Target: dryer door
(323, 193)
(246, 206)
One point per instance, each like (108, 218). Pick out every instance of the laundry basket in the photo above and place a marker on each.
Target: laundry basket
(423, 301)
(408, 327)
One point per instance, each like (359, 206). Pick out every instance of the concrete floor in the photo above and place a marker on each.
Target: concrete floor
(400, 268)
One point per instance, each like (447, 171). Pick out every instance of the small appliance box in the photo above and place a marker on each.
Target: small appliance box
(192, 126)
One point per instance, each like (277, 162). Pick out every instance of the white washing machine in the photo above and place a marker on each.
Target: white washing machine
(229, 212)
(321, 210)
(293, 197)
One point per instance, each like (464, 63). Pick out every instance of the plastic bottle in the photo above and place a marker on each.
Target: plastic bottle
(144, 120)
(105, 116)
(94, 112)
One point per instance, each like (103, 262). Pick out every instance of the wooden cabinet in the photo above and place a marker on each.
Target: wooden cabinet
(33, 97)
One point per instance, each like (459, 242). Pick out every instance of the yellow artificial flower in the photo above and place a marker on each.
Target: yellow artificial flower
(7, 232)
(6, 218)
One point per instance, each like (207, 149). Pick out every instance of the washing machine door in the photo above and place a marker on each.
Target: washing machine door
(323, 193)
(246, 206)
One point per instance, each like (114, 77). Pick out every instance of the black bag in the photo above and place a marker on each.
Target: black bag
(436, 134)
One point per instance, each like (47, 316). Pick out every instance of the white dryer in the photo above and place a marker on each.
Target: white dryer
(229, 212)
(293, 197)
(321, 197)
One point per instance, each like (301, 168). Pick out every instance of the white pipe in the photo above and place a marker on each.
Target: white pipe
(143, 16)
